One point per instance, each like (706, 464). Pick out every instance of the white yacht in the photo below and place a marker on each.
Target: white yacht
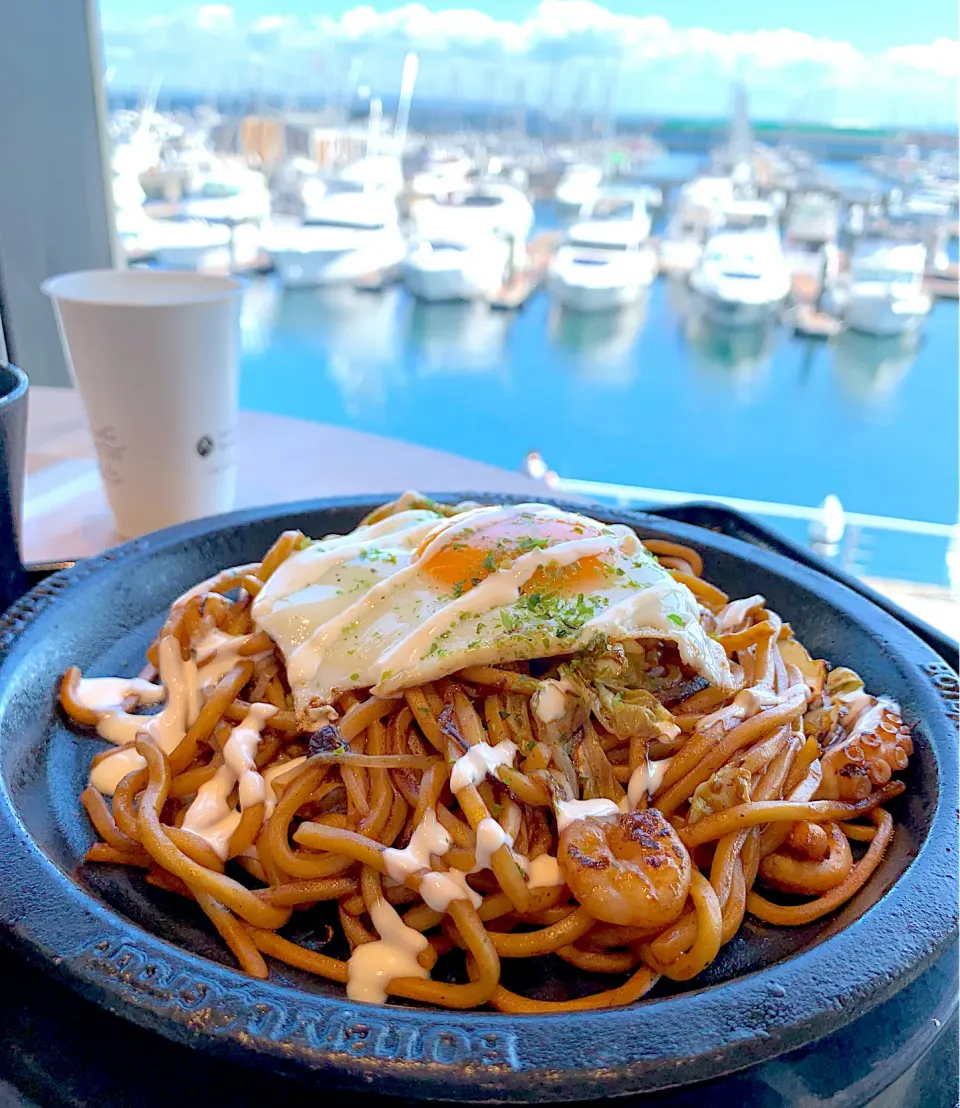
(883, 292)
(741, 277)
(578, 187)
(485, 206)
(695, 213)
(372, 175)
(464, 267)
(350, 236)
(185, 243)
(442, 172)
(746, 215)
(228, 193)
(605, 261)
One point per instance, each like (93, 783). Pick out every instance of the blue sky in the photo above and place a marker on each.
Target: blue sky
(886, 62)
(889, 22)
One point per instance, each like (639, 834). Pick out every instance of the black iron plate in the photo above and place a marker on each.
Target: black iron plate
(150, 958)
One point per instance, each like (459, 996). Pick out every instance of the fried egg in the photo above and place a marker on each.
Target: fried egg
(485, 586)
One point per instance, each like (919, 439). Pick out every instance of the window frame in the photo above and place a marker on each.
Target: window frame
(56, 208)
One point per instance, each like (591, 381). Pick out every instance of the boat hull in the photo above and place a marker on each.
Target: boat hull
(309, 268)
(736, 313)
(595, 298)
(879, 315)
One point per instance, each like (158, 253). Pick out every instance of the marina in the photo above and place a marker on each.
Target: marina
(514, 282)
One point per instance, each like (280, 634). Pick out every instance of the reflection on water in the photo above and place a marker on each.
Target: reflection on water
(871, 367)
(608, 397)
(737, 354)
(455, 338)
(600, 344)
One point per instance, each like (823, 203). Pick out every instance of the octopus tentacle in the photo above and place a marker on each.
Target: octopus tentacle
(878, 746)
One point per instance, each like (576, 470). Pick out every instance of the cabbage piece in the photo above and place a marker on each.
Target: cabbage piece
(727, 788)
(597, 778)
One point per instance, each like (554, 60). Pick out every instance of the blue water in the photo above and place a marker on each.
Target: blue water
(648, 397)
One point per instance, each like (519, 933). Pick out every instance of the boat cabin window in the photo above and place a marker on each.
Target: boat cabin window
(443, 244)
(737, 221)
(344, 224)
(882, 275)
(217, 190)
(475, 200)
(590, 244)
(613, 209)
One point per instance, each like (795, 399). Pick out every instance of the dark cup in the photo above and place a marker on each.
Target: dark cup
(13, 450)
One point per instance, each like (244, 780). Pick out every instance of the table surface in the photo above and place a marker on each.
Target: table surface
(65, 512)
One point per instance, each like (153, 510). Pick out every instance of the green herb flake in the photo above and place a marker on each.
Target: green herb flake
(354, 676)
(678, 620)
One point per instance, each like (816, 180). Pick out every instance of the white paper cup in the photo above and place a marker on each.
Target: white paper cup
(155, 356)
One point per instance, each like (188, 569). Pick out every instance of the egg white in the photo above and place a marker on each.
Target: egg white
(314, 585)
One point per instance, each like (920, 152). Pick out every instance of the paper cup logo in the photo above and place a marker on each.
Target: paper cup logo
(204, 446)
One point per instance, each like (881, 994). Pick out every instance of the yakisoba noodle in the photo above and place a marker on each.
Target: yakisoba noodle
(608, 805)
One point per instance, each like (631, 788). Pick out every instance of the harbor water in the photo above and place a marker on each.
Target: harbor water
(651, 396)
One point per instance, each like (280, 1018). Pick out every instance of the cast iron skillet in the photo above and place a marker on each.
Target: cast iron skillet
(150, 956)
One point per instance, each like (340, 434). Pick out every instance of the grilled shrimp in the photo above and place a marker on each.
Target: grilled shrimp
(630, 870)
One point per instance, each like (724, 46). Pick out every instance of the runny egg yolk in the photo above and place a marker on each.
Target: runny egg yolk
(471, 554)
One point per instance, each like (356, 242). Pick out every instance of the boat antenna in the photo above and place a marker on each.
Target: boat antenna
(408, 79)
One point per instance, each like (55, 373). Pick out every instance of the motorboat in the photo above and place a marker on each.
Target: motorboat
(741, 278)
(754, 216)
(577, 188)
(605, 261)
(440, 173)
(230, 194)
(694, 215)
(349, 236)
(465, 267)
(184, 243)
(883, 292)
(485, 206)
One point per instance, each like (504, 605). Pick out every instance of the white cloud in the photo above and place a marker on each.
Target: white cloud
(665, 67)
(215, 17)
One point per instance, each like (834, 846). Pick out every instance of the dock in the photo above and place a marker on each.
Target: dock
(379, 279)
(525, 282)
(811, 323)
(942, 284)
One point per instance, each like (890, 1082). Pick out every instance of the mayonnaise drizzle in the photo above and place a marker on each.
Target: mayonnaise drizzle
(439, 890)
(429, 837)
(746, 704)
(101, 694)
(210, 816)
(569, 811)
(472, 768)
(181, 683)
(166, 728)
(543, 872)
(646, 779)
(269, 775)
(373, 966)
(490, 837)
